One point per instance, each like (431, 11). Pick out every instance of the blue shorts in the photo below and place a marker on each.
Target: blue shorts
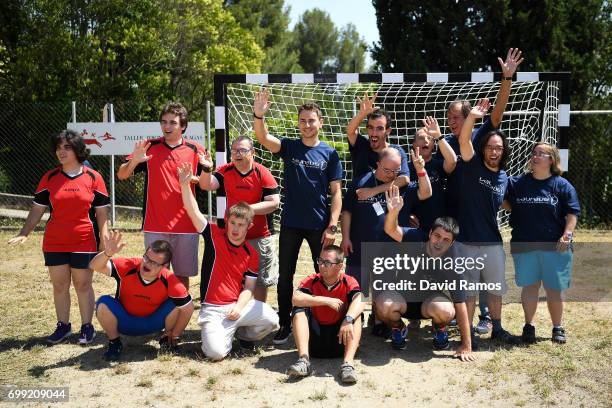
(551, 267)
(134, 325)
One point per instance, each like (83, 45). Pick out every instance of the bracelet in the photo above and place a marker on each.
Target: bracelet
(257, 117)
(423, 174)
(107, 255)
(507, 78)
(207, 169)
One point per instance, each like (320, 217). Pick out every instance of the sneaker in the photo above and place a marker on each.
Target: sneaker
(414, 324)
(503, 336)
(282, 335)
(247, 344)
(88, 334)
(398, 337)
(62, 331)
(484, 324)
(474, 340)
(113, 352)
(452, 323)
(301, 368)
(440, 340)
(528, 336)
(347, 374)
(558, 335)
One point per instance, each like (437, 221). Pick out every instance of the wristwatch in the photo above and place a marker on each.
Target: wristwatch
(349, 319)
(333, 228)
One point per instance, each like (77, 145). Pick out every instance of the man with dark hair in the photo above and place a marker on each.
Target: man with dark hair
(311, 169)
(163, 214)
(484, 183)
(229, 272)
(149, 297)
(440, 305)
(364, 151)
(327, 316)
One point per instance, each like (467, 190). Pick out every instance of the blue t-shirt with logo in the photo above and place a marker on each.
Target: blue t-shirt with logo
(364, 159)
(435, 206)
(307, 174)
(539, 207)
(453, 183)
(367, 216)
(410, 194)
(482, 194)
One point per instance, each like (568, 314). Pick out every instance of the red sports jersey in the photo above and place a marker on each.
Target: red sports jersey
(251, 187)
(163, 209)
(345, 289)
(140, 298)
(72, 202)
(225, 267)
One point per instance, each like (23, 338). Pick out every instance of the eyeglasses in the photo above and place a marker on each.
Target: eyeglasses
(540, 154)
(325, 263)
(242, 152)
(390, 171)
(149, 261)
(496, 149)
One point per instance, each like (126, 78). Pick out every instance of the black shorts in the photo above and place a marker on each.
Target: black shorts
(323, 339)
(413, 311)
(76, 260)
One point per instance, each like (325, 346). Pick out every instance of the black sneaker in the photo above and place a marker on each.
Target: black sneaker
(114, 350)
(282, 335)
(558, 335)
(503, 336)
(61, 333)
(247, 344)
(528, 336)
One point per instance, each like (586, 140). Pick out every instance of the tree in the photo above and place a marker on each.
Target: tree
(268, 22)
(351, 50)
(316, 38)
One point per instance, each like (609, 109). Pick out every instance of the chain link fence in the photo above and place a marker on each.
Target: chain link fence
(25, 156)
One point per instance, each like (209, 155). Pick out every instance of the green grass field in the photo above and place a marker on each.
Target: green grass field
(576, 374)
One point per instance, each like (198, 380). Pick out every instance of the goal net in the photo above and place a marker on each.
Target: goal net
(532, 113)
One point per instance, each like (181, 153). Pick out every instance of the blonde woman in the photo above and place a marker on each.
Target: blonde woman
(545, 211)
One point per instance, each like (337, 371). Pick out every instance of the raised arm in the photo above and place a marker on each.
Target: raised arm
(139, 155)
(207, 181)
(189, 201)
(424, 191)
(395, 202)
(366, 106)
(260, 107)
(433, 130)
(508, 67)
(34, 216)
(112, 245)
(466, 147)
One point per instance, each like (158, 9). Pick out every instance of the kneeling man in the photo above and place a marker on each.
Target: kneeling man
(327, 310)
(441, 305)
(228, 278)
(149, 297)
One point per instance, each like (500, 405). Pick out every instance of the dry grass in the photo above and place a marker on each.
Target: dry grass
(544, 374)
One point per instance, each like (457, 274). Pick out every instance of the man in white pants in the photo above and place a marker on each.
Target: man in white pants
(228, 307)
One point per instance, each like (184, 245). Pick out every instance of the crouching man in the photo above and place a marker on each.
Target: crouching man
(228, 278)
(149, 297)
(327, 313)
(439, 305)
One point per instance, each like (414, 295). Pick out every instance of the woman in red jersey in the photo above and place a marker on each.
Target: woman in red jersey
(77, 200)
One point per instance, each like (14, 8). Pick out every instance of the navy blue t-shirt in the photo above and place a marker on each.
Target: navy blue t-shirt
(539, 208)
(364, 159)
(307, 174)
(482, 194)
(413, 235)
(410, 194)
(453, 182)
(435, 206)
(366, 224)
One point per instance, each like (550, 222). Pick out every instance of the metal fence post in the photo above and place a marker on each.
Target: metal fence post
(112, 168)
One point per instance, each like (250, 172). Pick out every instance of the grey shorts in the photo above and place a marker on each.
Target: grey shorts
(184, 251)
(488, 272)
(268, 261)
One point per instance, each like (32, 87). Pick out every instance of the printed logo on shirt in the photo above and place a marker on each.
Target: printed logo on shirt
(72, 190)
(320, 165)
(549, 200)
(499, 190)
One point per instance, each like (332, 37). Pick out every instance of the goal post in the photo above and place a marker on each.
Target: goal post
(538, 109)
